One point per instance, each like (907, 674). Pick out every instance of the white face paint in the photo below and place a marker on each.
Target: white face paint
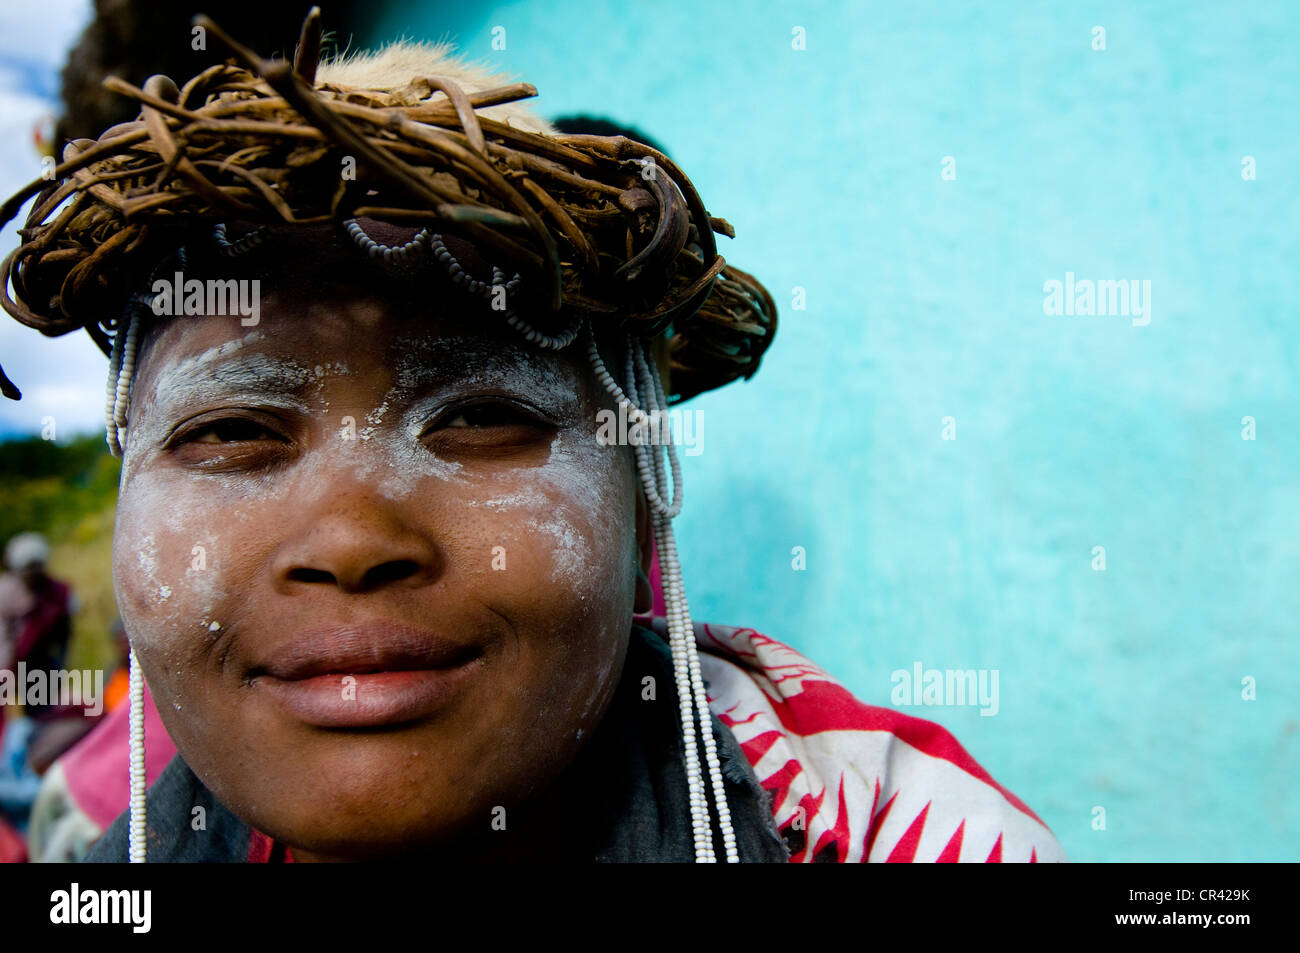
(392, 457)
(261, 471)
(224, 373)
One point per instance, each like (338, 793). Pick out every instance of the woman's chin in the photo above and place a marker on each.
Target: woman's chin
(373, 836)
(344, 822)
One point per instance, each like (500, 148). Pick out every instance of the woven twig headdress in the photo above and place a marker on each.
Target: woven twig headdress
(600, 229)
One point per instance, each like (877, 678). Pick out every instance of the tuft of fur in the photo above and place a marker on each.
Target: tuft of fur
(396, 64)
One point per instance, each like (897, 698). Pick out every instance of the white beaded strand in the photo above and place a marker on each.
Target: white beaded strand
(677, 635)
(680, 640)
(651, 386)
(552, 342)
(136, 830)
(693, 700)
(652, 383)
(236, 248)
(111, 435)
(117, 405)
(121, 370)
(392, 253)
(458, 274)
(433, 242)
(121, 361)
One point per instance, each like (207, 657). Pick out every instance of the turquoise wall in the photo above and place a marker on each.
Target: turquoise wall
(1120, 689)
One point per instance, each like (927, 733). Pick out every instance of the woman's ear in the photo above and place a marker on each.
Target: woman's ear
(645, 539)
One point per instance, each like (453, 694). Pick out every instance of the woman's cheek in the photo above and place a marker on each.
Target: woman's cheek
(168, 559)
(585, 537)
(559, 539)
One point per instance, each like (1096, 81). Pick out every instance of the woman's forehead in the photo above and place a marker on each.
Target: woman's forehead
(390, 343)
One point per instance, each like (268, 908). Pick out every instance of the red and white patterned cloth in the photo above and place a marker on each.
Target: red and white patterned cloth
(866, 783)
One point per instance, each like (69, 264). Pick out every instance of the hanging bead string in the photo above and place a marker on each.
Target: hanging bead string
(121, 363)
(111, 434)
(658, 415)
(670, 566)
(678, 641)
(399, 254)
(554, 342)
(462, 278)
(120, 375)
(136, 828)
(652, 384)
(693, 700)
(700, 825)
(432, 241)
(233, 249)
(121, 370)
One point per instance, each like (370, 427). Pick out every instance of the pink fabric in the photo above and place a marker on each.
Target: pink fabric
(13, 849)
(656, 586)
(98, 766)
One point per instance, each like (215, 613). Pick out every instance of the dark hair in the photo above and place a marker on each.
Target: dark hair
(584, 125)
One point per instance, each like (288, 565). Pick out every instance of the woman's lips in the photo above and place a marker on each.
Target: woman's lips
(366, 700)
(363, 676)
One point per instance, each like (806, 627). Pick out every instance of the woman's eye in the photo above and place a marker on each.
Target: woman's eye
(229, 443)
(492, 426)
(487, 415)
(234, 430)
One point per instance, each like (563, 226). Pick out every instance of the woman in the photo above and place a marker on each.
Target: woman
(378, 557)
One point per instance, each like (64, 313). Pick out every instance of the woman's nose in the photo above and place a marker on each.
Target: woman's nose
(358, 542)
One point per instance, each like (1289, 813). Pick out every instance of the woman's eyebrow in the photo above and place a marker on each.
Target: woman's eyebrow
(423, 363)
(215, 375)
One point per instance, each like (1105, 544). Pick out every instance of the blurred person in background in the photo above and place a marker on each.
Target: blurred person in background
(86, 788)
(35, 630)
(35, 625)
(35, 609)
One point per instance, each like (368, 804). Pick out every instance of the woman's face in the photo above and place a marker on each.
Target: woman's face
(377, 570)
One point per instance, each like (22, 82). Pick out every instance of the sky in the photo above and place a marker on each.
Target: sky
(62, 377)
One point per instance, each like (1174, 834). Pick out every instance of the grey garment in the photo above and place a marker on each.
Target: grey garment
(173, 806)
(648, 819)
(628, 789)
